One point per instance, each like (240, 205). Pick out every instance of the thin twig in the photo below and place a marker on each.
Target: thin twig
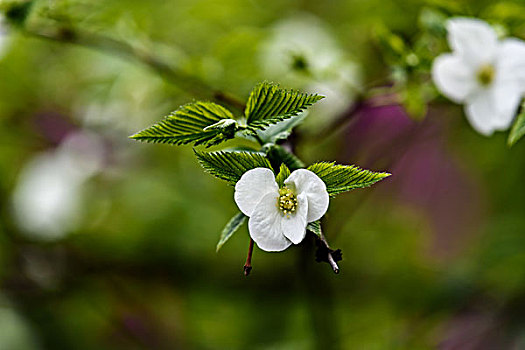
(248, 264)
(332, 263)
(331, 259)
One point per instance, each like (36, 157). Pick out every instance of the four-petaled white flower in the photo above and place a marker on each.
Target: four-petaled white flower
(278, 216)
(484, 73)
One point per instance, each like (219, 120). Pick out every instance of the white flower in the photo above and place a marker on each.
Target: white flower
(484, 73)
(301, 52)
(278, 217)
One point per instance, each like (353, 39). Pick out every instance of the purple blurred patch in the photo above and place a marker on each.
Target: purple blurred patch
(477, 331)
(53, 126)
(426, 176)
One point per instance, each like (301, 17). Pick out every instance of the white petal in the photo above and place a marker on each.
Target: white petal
(493, 109)
(265, 225)
(252, 187)
(294, 225)
(305, 181)
(453, 77)
(472, 39)
(506, 98)
(480, 111)
(510, 65)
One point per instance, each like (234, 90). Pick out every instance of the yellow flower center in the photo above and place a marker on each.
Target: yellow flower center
(287, 201)
(485, 74)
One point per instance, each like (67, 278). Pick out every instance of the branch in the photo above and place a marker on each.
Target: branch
(326, 254)
(103, 43)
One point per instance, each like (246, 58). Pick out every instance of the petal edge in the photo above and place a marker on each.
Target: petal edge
(307, 182)
(252, 187)
(294, 226)
(265, 226)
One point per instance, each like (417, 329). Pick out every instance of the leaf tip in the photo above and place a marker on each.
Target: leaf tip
(511, 141)
(139, 136)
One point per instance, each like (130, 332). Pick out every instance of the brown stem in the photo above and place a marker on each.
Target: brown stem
(248, 264)
(331, 259)
(229, 100)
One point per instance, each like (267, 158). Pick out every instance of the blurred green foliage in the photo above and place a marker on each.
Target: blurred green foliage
(140, 271)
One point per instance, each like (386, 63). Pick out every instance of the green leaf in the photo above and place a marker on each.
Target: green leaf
(231, 227)
(277, 154)
(315, 227)
(518, 129)
(342, 178)
(269, 104)
(198, 123)
(281, 130)
(284, 172)
(230, 166)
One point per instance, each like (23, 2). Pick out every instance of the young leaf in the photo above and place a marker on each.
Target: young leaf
(284, 172)
(198, 123)
(518, 129)
(230, 166)
(281, 130)
(277, 154)
(342, 178)
(269, 104)
(231, 227)
(315, 227)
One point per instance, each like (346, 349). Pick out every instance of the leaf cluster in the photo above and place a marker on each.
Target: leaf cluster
(270, 114)
(209, 124)
(337, 178)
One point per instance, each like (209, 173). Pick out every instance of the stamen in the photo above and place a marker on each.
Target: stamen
(485, 74)
(287, 201)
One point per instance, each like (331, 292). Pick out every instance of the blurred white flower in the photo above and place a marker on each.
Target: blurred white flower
(302, 53)
(119, 98)
(15, 331)
(278, 217)
(47, 200)
(4, 37)
(482, 72)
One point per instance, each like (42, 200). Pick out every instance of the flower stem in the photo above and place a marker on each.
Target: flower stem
(248, 264)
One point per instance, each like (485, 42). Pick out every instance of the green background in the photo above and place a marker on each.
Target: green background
(434, 256)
